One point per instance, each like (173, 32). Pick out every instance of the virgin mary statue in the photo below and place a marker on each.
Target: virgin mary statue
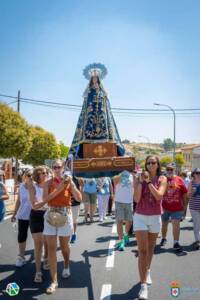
(96, 123)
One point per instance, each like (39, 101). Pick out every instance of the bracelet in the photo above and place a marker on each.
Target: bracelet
(149, 182)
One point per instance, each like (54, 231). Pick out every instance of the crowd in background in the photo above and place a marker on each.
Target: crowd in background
(143, 202)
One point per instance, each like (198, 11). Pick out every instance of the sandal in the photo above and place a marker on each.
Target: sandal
(52, 288)
(45, 264)
(38, 277)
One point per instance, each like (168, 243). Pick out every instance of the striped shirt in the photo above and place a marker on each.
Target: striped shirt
(194, 202)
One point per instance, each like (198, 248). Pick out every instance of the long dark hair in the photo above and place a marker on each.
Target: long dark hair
(158, 172)
(91, 81)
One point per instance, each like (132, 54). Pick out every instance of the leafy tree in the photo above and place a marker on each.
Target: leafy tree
(142, 164)
(15, 133)
(168, 144)
(152, 152)
(44, 146)
(165, 160)
(179, 160)
(64, 150)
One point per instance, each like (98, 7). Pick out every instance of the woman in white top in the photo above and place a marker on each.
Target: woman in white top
(123, 197)
(40, 176)
(22, 214)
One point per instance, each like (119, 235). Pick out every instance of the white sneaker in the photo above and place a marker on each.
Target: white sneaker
(66, 273)
(20, 261)
(143, 293)
(105, 218)
(149, 280)
(101, 219)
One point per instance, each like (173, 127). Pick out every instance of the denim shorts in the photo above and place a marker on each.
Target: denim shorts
(173, 215)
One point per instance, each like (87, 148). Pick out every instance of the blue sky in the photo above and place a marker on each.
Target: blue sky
(151, 50)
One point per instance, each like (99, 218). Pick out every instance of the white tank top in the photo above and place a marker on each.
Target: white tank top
(124, 191)
(24, 210)
(39, 195)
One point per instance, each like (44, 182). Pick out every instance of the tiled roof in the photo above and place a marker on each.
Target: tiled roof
(188, 147)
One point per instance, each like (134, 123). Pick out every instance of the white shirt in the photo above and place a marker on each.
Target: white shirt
(124, 191)
(24, 210)
(38, 193)
(39, 196)
(187, 182)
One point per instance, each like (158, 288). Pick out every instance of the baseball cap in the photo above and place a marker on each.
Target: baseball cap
(171, 166)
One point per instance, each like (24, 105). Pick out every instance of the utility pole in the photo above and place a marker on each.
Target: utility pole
(18, 102)
(16, 161)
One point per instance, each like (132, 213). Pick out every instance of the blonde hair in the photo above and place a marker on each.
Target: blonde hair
(57, 161)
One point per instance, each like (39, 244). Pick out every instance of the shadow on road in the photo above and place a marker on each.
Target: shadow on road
(104, 239)
(130, 295)
(33, 291)
(186, 228)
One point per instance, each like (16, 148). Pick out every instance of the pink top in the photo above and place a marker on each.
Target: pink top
(148, 205)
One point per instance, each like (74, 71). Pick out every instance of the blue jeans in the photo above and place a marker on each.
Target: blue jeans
(174, 215)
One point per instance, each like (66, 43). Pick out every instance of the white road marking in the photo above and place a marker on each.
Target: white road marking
(114, 228)
(106, 292)
(111, 253)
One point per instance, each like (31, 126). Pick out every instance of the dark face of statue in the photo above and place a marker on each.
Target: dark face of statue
(95, 80)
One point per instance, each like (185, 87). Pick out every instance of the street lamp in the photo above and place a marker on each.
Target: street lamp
(174, 114)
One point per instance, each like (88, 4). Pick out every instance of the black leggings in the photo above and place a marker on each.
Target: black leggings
(23, 226)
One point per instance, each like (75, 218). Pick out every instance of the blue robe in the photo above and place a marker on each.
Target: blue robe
(96, 123)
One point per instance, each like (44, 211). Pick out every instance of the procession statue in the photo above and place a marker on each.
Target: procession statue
(96, 143)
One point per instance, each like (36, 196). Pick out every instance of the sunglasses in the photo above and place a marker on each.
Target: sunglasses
(29, 175)
(151, 163)
(197, 173)
(43, 173)
(170, 170)
(56, 167)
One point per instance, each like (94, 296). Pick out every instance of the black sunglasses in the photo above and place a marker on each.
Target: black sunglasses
(169, 169)
(57, 167)
(151, 163)
(197, 173)
(43, 173)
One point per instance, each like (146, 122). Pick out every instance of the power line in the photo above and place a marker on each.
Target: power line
(114, 108)
(129, 114)
(12, 102)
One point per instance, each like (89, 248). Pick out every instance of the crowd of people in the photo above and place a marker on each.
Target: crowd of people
(145, 202)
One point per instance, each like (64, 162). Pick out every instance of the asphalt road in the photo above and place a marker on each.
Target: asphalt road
(99, 272)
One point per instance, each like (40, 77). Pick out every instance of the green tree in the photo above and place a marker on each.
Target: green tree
(64, 150)
(179, 160)
(165, 160)
(15, 133)
(44, 146)
(152, 152)
(168, 144)
(142, 164)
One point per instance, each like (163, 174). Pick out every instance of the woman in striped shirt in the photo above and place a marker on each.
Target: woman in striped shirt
(194, 204)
